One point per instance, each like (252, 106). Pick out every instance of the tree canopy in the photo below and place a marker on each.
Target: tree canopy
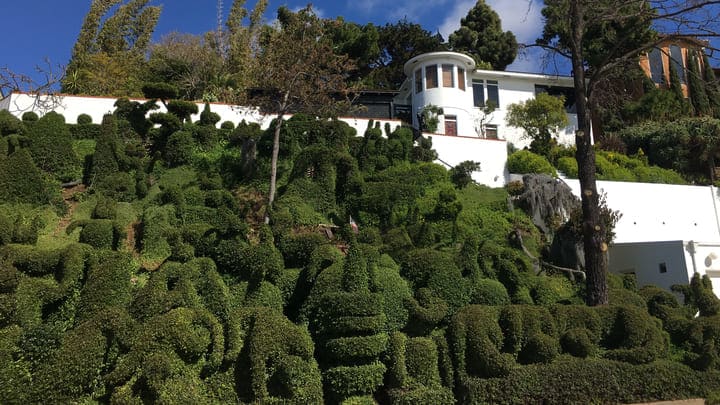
(481, 36)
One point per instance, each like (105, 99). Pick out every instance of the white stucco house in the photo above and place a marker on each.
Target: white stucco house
(492, 153)
(666, 232)
(449, 80)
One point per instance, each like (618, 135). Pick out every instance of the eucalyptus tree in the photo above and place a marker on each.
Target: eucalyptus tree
(600, 37)
(296, 70)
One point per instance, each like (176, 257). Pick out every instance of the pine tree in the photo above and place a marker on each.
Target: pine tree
(481, 36)
(712, 86)
(696, 87)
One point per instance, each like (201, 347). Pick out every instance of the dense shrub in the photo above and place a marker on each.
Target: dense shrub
(487, 291)
(571, 380)
(51, 147)
(633, 335)
(476, 341)
(98, 233)
(84, 119)
(395, 292)
(524, 162)
(85, 131)
(105, 208)
(264, 295)
(347, 381)
(539, 348)
(437, 271)
(30, 116)
(182, 109)
(9, 124)
(179, 149)
(107, 284)
(578, 342)
(421, 359)
(22, 182)
(274, 358)
(421, 395)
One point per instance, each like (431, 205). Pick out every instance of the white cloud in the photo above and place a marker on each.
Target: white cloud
(452, 20)
(522, 17)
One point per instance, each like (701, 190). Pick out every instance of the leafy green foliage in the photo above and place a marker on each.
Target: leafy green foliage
(481, 35)
(540, 118)
(51, 148)
(524, 161)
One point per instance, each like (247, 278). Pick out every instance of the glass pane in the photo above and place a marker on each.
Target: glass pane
(492, 92)
(676, 58)
(447, 75)
(461, 79)
(656, 65)
(478, 93)
(431, 77)
(418, 81)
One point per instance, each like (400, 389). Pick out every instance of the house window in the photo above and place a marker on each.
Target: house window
(676, 58)
(491, 131)
(461, 79)
(431, 77)
(451, 125)
(657, 73)
(418, 81)
(447, 76)
(662, 267)
(485, 90)
(478, 93)
(493, 93)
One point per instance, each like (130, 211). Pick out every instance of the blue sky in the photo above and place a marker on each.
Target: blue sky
(34, 30)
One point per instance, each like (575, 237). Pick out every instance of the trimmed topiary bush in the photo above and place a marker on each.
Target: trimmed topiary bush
(51, 147)
(30, 116)
(9, 124)
(578, 342)
(539, 348)
(524, 162)
(84, 119)
(487, 291)
(22, 182)
(98, 233)
(573, 380)
(179, 149)
(108, 283)
(346, 381)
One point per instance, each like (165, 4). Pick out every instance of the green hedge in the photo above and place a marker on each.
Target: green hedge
(524, 161)
(107, 284)
(22, 182)
(51, 147)
(486, 291)
(355, 349)
(421, 395)
(570, 380)
(347, 381)
(275, 361)
(85, 131)
(99, 233)
(421, 360)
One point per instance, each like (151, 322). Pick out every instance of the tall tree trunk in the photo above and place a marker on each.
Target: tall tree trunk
(275, 152)
(593, 229)
(273, 166)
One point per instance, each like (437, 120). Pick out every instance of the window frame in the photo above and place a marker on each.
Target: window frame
(431, 77)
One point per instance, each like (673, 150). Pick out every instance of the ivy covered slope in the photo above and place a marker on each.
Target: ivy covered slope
(155, 279)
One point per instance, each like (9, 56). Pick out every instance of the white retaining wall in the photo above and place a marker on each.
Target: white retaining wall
(491, 153)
